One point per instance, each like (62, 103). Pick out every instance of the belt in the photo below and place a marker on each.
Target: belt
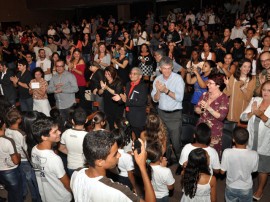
(165, 111)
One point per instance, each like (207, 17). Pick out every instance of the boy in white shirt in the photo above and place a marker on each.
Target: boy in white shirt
(53, 182)
(71, 141)
(239, 163)
(91, 184)
(203, 137)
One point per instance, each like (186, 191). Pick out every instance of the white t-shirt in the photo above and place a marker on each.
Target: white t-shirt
(253, 41)
(73, 140)
(51, 32)
(7, 148)
(125, 163)
(239, 164)
(214, 159)
(161, 177)
(99, 189)
(45, 65)
(20, 141)
(49, 169)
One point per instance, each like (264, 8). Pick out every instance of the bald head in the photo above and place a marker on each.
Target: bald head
(265, 59)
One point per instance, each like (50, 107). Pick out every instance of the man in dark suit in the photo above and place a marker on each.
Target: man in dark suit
(6, 86)
(135, 98)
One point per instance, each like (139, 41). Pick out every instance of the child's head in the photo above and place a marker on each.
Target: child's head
(55, 113)
(198, 162)
(240, 136)
(250, 53)
(13, 116)
(119, 136)
(100, 149)
(122, 126)
(203, 134)
(45, 128)
(79, 117)
(154, 151)
(99, 118)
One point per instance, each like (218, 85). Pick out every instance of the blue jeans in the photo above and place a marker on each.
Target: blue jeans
(26, 104)
(13, 184)
(86, 58)
(164, 199)
(29, 178)
(238, 195)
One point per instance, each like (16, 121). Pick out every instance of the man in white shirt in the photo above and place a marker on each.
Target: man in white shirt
(44, 64)
(91, 184)
(238, 30)
(53, 182)
(39, 44)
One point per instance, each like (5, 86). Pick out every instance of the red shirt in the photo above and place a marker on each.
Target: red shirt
(80, 78)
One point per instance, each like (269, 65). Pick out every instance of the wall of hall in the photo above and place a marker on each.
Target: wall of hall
(17, 11)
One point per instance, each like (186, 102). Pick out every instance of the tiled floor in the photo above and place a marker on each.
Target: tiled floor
(177, 192)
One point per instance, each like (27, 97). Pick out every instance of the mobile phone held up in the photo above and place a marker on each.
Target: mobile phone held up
(137, 146)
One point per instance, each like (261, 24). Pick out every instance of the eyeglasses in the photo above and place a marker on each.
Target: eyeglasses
(133, 73)
(263, 61)
(211, 83)
(59, 65)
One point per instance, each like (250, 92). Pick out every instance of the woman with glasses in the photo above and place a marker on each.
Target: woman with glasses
(213, 108)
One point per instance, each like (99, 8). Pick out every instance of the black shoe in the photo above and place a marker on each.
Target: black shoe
(178, 170)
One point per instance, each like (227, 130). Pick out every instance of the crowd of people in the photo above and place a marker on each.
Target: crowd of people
(87, 102)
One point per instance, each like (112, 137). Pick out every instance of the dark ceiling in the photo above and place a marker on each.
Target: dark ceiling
(71, 4)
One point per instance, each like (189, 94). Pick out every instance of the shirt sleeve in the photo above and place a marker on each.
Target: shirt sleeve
(184, 156)
(215, 163)
(58, 167)
(179, 93)
(169, 177)
(63, 137)
(223, 166)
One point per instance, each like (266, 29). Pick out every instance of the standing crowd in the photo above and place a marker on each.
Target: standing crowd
(85, 106)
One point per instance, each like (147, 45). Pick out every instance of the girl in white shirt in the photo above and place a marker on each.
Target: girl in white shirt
(161, 177)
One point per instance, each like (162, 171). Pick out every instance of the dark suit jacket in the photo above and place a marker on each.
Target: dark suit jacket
(9, 90)
(137, 102)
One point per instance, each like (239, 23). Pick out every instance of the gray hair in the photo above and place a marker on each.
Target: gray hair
(166, 61)
(160, 51)
(138, 70)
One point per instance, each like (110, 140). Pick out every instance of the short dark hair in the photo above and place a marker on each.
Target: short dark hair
(23, 62)
(41, 50)
(42, 127)
(97, 145)
(240, 135)
(4, 63)
(38, 69)
(79, 116)
(203, 134)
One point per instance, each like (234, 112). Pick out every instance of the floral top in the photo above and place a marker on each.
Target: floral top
(220, 105)
(38, 92)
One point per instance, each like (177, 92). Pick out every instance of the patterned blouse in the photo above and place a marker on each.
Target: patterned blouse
(37, 92)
